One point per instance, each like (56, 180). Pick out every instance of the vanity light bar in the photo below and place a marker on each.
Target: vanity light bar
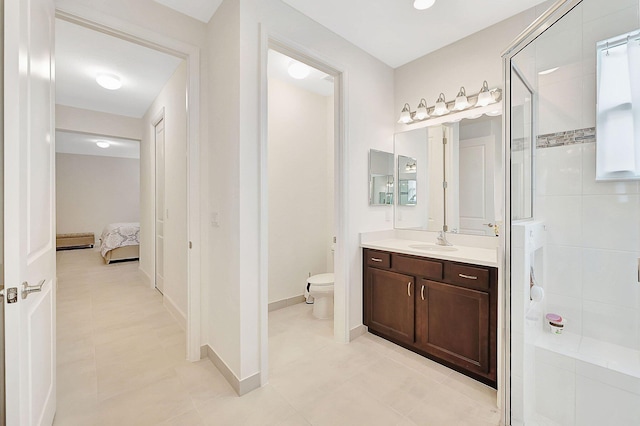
(409, 117)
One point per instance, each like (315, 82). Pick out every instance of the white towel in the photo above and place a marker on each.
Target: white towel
(616, 141)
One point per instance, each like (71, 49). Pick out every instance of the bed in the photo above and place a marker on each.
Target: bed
(120, 241)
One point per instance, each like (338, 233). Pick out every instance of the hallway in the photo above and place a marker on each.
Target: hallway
(121, 362)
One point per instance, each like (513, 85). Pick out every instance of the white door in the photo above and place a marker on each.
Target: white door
(160, 205)
(476, 164)
(29, 220)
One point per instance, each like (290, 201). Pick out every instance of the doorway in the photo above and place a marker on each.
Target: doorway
(181, 175)
(337, 211)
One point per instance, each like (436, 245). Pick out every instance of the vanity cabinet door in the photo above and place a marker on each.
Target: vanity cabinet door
(389, 304)
(452, 323)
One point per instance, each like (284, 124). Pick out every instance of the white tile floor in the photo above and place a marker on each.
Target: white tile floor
(121, 362)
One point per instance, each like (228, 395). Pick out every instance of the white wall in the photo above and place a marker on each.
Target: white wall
(299, 215)
(93, 191)
(171, 100)
(97, 123)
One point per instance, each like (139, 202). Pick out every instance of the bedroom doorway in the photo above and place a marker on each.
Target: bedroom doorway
(160, 205)
(148, 101)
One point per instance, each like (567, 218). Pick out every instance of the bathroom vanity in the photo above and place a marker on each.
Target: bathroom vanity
(443, 309)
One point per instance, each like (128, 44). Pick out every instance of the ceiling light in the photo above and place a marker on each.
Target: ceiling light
(485, 97)
(405, 115)
(103, 144)
(423, 4)
(441, 106)
(461, 101)
(298, 70)
(109, 81)
(421, 112)
(549, 71)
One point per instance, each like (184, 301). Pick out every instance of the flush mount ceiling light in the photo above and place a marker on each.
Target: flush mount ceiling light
(423, 4)
(298, 70)
(405, 115)
(461, 101)
(485, 97)
(421, 111)
(441, 106)
(109, 81)
(103, 144)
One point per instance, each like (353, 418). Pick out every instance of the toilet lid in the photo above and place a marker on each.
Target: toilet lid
(321, 279)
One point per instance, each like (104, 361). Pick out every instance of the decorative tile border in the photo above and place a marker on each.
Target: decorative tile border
(567, 138)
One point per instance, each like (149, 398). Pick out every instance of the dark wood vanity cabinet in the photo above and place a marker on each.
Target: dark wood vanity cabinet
(444, 310)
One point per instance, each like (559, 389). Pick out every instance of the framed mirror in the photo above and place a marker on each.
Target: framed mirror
(381, 182)
(459, 169)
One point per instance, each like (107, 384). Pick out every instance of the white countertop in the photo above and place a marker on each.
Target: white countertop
(473, 255)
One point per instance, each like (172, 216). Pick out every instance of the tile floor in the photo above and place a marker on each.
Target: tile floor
(121, 362)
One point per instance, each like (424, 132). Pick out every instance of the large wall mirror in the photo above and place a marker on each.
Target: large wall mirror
(381, 182)
(458, 168)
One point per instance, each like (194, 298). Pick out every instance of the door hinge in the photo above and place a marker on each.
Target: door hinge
(190, 244)
(445, 185)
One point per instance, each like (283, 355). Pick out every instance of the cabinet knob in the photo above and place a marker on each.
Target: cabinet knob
(375, 259)
(409, 288)
(422, 292)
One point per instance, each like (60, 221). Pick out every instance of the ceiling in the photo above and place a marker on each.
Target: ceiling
(390, 30)
(316, 82)
(82, 53)
(85, 144)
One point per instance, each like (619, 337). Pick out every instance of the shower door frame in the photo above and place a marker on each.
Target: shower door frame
(552, 15)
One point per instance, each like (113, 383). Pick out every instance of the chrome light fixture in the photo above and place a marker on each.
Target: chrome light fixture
(423, 4)
(461, 101)
(405, 115)
(421, 112)
(485, 97)
(441, 106)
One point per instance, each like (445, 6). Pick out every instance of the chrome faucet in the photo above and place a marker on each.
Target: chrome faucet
(442, 239)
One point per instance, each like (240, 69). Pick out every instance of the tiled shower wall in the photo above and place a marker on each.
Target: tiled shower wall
(593, 244)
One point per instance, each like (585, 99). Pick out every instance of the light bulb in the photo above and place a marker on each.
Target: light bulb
(485, 97)
(405, 115)
(421, 111)
(298, 70)
(441, 106)
(461, 101)
(109, 81)
(423, 4)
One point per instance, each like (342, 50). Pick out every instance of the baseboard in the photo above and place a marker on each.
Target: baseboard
(146, 276)
(356, 332)
(240, 386)
(274, 306)
(175, 311)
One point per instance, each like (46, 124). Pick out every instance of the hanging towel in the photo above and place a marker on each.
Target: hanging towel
(615, 122)
(633, 52)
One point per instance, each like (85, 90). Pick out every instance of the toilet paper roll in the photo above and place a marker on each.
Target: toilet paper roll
(537, 293)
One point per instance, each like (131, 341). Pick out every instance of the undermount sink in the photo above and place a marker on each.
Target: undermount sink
(431, 247)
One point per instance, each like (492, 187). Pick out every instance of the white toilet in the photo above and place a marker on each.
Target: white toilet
(320, 293)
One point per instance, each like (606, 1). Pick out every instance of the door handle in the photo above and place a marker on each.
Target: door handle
(28, 289)
(422, 292)
(409, 289)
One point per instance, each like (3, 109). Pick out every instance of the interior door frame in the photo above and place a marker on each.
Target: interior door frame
(191, 54)
(341, 325)
(157, 119)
